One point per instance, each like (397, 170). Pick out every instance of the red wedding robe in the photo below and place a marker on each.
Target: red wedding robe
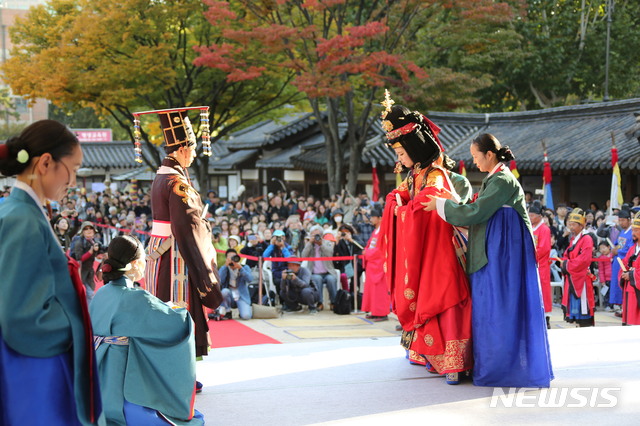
(542, 239)
(577, 275)
(376, 293)
(631, 290)
(429, 288)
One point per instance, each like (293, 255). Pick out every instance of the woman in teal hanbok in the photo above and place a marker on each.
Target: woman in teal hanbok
(144, 347)
(47, 363)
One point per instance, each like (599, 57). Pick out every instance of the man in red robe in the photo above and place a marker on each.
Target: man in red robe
(630, 280)
(376, 299)
(578, 302)
(542, 240)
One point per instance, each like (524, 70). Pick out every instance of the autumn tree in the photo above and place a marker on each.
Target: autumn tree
(122, 56)
(342, 53)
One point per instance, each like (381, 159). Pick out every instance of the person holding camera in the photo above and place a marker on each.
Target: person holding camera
(348, 245)
(322, 271)
(234, 280)
(278, 248)
(220, 244)
(297, 289)
(85, 249)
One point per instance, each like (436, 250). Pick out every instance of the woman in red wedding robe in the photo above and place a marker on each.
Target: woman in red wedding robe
(429, 288)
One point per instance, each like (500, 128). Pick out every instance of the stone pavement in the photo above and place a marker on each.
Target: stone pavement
(298, 327)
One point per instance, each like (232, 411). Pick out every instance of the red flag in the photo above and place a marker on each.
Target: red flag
(514, 169)
(376, 184)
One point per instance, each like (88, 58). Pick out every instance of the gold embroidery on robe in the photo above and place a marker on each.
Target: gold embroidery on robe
(412, 307)
(409, 293)
(456, 352)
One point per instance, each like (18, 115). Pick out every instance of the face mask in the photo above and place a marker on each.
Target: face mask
(338, 219)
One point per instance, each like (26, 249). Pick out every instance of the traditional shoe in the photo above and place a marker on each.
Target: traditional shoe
(430, 368)
(453, 378)
(198, 387)
(379, 318)
(618, 314)
(398, 327)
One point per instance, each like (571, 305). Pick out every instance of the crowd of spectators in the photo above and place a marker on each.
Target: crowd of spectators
(286, 225)
(603, 226)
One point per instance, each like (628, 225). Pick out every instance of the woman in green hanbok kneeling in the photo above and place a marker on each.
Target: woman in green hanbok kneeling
(144, 347)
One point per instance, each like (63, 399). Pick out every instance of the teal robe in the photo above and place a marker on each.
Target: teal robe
(40, 314)
(497, 190)
(157, 368)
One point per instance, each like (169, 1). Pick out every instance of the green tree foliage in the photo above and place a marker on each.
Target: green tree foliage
(122, 56)
(341, 52)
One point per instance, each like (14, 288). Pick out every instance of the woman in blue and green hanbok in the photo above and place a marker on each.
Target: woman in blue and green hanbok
(144, 347)
(510, 345)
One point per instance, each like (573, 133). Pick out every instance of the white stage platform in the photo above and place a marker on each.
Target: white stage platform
(369, 382)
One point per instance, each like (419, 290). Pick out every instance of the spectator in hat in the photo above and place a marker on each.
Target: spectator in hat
(278, 248)
(376, 299)
(337, 217)
(323, 272)
(297, 288)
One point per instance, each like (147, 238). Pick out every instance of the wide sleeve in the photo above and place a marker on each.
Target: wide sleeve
(161, 360)
(32, 318)
(543, 248)
(499, 191)
(579, 262)
(193, 236)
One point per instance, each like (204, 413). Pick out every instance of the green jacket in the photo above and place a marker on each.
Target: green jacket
(462, 186)
(497, 190)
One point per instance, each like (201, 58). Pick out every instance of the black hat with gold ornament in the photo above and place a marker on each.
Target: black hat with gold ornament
(176, 128)
(412, 131)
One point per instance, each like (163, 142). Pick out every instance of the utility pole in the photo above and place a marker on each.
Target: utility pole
(606, 63)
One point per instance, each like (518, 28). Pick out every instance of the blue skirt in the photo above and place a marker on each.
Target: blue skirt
(36, 391)
(510, 345)
(615, 291)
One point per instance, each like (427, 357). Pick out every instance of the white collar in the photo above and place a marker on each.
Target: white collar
(495, 169)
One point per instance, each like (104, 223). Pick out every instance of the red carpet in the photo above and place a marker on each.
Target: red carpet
(229, 333)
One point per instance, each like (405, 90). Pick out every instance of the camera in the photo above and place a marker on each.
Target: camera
(279, 239)
(289, 273)
(317, 237)
(343, 234)
(235, 258)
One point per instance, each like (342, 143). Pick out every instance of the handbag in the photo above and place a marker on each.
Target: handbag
(264, 311)
(348, 270)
